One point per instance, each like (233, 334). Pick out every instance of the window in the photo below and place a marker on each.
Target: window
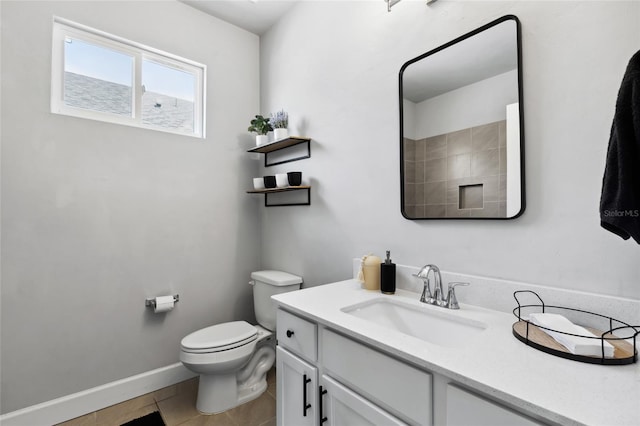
(103, 77)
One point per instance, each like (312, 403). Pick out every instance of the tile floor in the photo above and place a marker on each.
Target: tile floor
(177, 405)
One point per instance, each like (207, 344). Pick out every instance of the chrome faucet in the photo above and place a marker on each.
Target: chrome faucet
(434, 298)
(437, 297)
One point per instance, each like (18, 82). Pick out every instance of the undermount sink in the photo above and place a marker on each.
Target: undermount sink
(429, 323)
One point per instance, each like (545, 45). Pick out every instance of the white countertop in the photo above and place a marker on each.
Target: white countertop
(556, 389)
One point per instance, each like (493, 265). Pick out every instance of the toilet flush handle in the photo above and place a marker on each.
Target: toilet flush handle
(289, 333)
(252, 282)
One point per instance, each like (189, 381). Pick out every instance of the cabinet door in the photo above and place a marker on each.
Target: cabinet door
(465, 408)
(297, 385)
(343, 407)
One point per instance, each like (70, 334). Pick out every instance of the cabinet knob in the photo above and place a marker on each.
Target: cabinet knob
(289, 333)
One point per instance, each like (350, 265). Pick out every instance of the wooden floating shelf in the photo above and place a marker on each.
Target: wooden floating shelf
(280, 144)
(299, 198)
(273, 190)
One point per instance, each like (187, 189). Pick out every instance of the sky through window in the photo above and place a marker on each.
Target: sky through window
(89, 60)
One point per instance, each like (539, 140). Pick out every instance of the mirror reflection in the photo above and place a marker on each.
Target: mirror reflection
(461, 127)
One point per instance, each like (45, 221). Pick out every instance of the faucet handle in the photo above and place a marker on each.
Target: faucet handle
(452, 301)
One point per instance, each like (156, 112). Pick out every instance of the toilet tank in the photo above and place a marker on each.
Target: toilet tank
(266, 284)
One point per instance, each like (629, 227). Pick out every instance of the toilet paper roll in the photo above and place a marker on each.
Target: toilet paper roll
(163, 304)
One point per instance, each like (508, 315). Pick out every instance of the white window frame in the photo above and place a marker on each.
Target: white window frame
(63, 28)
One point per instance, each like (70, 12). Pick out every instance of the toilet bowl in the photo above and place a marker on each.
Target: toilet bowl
(233, 358)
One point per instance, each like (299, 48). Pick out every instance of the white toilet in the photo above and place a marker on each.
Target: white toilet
(233, 358)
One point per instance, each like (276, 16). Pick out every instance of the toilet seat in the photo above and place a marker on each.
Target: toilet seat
(220, 337)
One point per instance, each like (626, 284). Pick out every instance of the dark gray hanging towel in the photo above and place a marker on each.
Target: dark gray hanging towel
(620, 200)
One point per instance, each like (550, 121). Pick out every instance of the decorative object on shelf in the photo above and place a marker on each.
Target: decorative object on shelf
(282, 180)
(280, 122)
(269, 182)
(289, 142)
(599, 330)
(258, 183)
(261, 126)
(295, 178)
(261, 139)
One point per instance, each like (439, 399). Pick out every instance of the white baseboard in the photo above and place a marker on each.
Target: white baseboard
(71, 406)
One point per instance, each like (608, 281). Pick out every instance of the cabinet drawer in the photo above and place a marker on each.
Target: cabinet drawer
(298, 335)
(398, 387)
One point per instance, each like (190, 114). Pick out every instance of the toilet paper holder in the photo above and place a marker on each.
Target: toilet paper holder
(152, 301)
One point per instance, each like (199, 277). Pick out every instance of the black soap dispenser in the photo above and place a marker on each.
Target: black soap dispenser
(388, 275)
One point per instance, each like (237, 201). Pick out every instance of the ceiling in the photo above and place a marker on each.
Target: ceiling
(256, 16)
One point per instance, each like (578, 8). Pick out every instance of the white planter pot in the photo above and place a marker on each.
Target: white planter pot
(258, 183)
(261, 139)
(282, 180)
(280, 134)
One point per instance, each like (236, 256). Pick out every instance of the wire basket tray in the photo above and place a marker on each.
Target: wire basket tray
(619, 334)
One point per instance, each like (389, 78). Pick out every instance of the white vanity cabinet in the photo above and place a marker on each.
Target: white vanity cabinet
(333, 380)
(325, 378)
(302, 401)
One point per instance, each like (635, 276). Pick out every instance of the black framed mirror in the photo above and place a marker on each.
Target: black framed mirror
(462, 127)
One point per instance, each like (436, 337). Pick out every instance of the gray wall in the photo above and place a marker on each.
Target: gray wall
(96, 217)
(476, 104)
(334, 66)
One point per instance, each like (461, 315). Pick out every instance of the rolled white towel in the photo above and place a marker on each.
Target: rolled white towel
(575, 345)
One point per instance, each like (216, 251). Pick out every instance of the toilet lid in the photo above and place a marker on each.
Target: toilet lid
(277, 278)
(220, 337)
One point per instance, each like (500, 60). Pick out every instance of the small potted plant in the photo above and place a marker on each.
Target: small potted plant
(280, 122)
(261, 126)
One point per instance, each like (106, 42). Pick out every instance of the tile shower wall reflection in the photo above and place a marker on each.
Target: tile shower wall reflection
(457, 174)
